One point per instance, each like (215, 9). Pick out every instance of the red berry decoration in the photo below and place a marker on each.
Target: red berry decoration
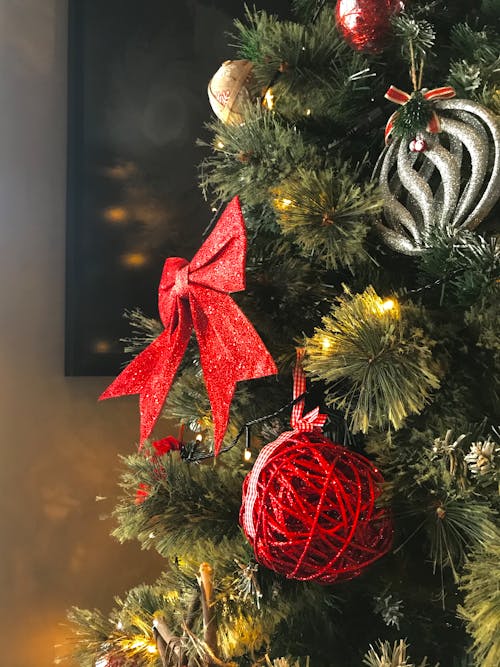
(366, 24)
(418, 145)
(309, 509)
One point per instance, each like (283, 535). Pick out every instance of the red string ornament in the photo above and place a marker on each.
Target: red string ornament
(309, 505)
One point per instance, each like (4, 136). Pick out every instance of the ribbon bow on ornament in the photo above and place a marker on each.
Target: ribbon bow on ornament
(312, 422)
(431, 123)
(300, 422)
(196, 294)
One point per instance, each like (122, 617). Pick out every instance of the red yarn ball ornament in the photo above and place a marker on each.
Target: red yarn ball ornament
(309, 509)
(366, 24)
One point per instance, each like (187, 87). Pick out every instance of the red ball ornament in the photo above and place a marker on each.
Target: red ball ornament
(366, 24)
(309, 509)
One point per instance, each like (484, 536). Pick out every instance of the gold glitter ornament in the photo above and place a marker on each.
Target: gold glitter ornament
(453, 182)
(231, 88)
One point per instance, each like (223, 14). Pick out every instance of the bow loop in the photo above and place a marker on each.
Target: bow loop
(312, 420)
(309, 422)
(196, 295)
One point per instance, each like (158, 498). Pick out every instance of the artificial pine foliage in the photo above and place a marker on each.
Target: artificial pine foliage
(402, 354)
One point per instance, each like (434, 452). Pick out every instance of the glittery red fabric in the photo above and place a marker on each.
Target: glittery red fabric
(310, 510)
(365, 24)
(196, 295)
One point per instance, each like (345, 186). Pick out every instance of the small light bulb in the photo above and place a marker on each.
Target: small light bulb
(308, 112)
(326, 343)
(386, 305)
(269, 99)
(199, 437)
(119, 625)
(247, 455)
(286, 202)
(220, 145)
(151, 536)
(151, 648)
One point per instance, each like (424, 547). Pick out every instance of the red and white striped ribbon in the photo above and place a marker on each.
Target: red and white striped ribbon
(299, 421)
(312, 421)
(401, 97)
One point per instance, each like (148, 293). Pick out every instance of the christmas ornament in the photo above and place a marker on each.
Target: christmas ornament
(231, 88)
(366, 24)
(453, 181)
(196, 295)
(418, 145)
(309, 505)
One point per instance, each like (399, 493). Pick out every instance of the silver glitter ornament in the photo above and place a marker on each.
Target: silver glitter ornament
(454, 182)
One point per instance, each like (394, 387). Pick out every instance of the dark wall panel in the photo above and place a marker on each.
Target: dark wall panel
(138, 73)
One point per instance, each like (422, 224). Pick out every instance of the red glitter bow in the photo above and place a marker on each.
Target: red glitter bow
(196, 295)
(401, 97)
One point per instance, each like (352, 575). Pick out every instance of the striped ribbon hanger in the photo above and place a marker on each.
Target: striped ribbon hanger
(300, 423)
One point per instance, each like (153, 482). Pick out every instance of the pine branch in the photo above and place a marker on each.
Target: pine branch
(377, 364)
(327, 213)
(385, 655)
(481, 608)
(252, 158)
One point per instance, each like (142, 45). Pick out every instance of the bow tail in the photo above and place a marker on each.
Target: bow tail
(230, 351)
(152, 372)
(133, 378)
(155, 391)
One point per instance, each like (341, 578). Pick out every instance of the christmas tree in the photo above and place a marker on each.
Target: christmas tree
(368, 531)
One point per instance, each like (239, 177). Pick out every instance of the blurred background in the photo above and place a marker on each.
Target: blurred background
(59, 448)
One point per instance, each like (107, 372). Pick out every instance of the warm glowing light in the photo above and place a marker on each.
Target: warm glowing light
(139, 644)
(119, 625)
(171, 596)
(386, 305)
(286, 202)
(247, 455)
(151, 648)
(199, 437)
(102, 346)
(220, 145)
(134, 260)
(269, 99)
(326, 343)
(115, 214)
(308, 112)
(151, 536)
